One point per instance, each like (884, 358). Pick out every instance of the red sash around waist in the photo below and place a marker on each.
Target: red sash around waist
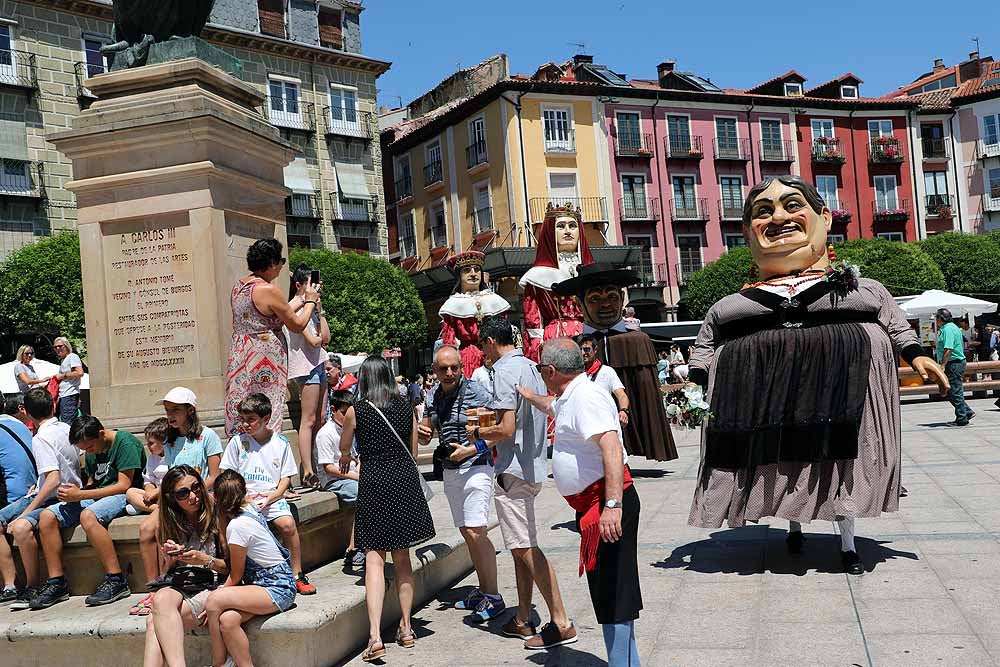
(590, 502)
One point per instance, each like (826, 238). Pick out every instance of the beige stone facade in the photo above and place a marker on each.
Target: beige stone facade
(326, 109)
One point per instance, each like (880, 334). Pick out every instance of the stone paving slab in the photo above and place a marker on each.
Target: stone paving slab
(714, 598)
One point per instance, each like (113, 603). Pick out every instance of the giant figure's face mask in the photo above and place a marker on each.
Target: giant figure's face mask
(471, 278)
(602, 306)
(567, 234)
(785, 234)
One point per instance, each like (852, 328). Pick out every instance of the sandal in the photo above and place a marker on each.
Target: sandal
(143, 607)
(406, 640)
(372, 654)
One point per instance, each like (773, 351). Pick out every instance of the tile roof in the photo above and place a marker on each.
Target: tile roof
(842, 77)
(776, 79)
(986, 84)
(934, 99)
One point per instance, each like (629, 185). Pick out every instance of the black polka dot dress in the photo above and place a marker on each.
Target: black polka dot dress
(391, 511)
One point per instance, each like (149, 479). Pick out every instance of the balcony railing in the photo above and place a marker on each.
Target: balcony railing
(22, 179)
(991, 200)
(439, 236)
(475, 154)
(18, 69)
(300, 116)
(889, 213)
(433, 173)
(988, 149)
(939, 206)
(827, 150)
(564, 142)
(689, 209)
(482, 220)
(650, 273)
(303, 206)
(685, 270)
(592, 209)
(82, 72)
(404, 188)
(354, 210)
(885, 150)
(935, 149)
(639, 209)
(634, 144)
(730, 209)
(683, 148)
(729, 149)
(350, 123)
(777, 151)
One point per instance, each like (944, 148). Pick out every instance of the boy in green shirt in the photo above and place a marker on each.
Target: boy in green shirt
(114, 463)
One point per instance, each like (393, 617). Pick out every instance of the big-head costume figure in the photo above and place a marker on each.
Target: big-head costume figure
(562, 247)
(598, 289)
(800, 368)
(471, 300)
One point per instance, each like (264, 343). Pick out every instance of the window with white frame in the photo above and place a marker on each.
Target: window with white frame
(991, 130)
(849, 92)
(8, 69)
(645, 267)
(689, 251)
(685, 201)
(936, 189)
(827, 187)
(731, 188)
(772, 145)
(822, 127)
(886, 197)
(482, 214)
(558, 127)
(879, 128)
(95, 61)
(793, 89)
(284, 108)
(892, 236)
(629, 133)
(562, 188)
(477, 141)
(679, 134)
(734, 241)
(343, 117)
(432, 163)
(726, 137)
(993, 189)
(407, 235)
(634, 197)
(835, 238)
(439, 226)
(404, 177)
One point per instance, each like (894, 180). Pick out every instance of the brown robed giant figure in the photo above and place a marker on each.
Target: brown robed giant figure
(598, 288)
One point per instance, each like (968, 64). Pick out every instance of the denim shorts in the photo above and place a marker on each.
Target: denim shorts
(279, 582)
(316, 376)
(346, 490)
(105, 509)
(14, 509)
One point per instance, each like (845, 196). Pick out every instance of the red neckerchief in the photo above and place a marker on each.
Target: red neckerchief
(589, 502)
(594, 367)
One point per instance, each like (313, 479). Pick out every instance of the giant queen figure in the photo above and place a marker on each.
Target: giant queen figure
(471, 300)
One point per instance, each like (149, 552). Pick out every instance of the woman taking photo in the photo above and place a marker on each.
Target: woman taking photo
(260, 578)
(258, 356)
(307, 366)
(392, 513)
(24, 372)
(188, 537)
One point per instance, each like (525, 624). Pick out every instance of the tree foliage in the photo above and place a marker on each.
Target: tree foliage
(722, 277)
(41, 290)
(969, 262)
(902, 267)
(370, 304)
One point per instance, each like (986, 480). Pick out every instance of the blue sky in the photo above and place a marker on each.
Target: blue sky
(736, 44)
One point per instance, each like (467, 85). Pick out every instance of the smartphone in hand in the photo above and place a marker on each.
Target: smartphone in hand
(314, 277)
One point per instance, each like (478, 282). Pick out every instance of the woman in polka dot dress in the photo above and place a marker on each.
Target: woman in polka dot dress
(392, 514)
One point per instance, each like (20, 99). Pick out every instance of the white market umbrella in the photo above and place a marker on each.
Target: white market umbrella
(8, 384)
(350, 363)
(930, 301)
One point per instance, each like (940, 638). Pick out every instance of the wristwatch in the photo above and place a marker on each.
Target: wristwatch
(613, 504)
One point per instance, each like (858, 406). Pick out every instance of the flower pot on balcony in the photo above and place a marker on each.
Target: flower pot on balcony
(944, 212)
(840, 216)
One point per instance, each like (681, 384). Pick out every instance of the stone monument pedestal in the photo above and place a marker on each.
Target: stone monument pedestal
(176, 174)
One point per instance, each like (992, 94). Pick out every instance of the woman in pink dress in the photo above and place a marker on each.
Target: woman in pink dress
(562, 247)
(258, 356)
(469, 303)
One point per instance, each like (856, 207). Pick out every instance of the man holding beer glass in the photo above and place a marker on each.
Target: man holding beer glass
(468, 472)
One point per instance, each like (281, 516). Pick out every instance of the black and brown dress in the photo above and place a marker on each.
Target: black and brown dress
(804, 398)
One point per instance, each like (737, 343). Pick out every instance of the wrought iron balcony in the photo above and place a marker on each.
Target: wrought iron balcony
(732, 149)
(827, 150)
(988, 148)
(482, 220)
(689, 210)
(19, 178)
(561, 142)
(348, 123)
(354, 210)
(299, 116)
(639, 209)
(991, 200)
(683, 148)
(404, 188)
(777, 151)
(433, 173)
(304, 206)
(592, 209)
(475, 154)
(839, 212)
(900, 212)
(935, 149)
(939, 206)
(730, 209)
(82, 72)
(18, 69)
(634, 144)
(649, 272)
(684, 271)
(885, 150)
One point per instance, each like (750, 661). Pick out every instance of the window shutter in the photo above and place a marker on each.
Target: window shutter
(331, 34)
(272, 17)
(13, 140)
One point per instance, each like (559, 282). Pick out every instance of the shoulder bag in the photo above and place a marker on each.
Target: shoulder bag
(424, 486)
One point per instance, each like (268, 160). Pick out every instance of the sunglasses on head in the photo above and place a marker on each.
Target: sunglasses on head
(185, 491)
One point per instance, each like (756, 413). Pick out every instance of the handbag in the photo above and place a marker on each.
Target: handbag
(424, 486)
(189, 579)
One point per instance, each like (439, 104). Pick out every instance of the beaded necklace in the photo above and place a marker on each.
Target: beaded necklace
(792, 287)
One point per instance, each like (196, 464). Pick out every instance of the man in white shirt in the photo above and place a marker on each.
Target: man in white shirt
(604, 376)
(588, 464)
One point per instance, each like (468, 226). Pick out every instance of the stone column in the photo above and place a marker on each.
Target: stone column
(175, 174)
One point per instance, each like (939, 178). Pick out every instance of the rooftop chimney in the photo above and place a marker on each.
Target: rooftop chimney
(970, 69)
(581, 59)
(665, 68)
(973, 55)
(938, 64)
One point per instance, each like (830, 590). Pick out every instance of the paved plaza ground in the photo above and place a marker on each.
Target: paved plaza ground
(723, 597)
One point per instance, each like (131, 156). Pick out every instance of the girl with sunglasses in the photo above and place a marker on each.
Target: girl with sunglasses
(188, 536)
